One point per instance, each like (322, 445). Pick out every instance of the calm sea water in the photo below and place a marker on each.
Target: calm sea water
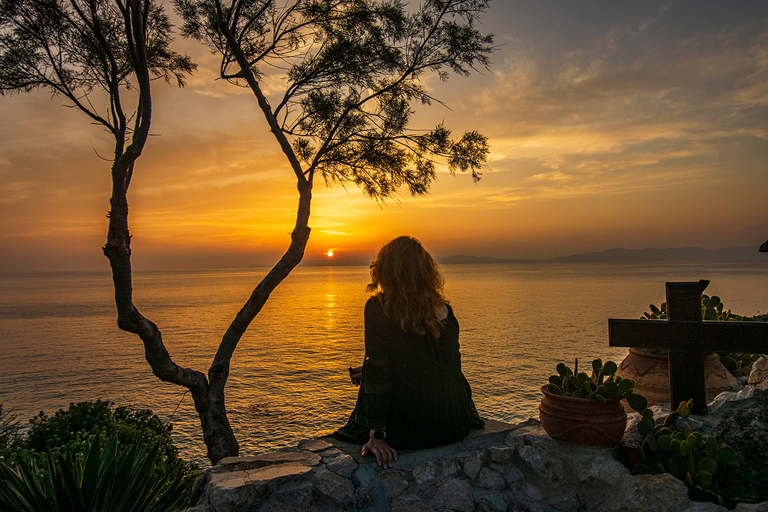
(60, 343)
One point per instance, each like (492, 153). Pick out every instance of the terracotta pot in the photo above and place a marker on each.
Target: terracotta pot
(651, 375)
(581, 420)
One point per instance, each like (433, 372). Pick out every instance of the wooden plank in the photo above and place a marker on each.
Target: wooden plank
(710, 336)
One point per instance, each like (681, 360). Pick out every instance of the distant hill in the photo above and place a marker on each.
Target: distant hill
(746, 254)
(671, 254)
(462, 259)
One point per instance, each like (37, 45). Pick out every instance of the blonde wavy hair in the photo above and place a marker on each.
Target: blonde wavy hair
(409, 285)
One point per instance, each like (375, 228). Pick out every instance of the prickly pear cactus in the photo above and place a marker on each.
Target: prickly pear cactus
(686, 455)
(603, 384)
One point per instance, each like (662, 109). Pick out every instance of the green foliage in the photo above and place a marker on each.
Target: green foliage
(9, 432)
(117, 478)
(746, 431)
(69, 429)
(738, 363)
(72, 431)
(686, 455)
(602, 385)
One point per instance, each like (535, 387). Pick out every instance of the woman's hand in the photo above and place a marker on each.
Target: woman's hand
(384, 453)
(355, 374)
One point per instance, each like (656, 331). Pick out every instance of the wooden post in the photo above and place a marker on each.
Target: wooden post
(686, 362)
(688, 340)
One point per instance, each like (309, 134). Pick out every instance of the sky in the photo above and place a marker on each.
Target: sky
(611, 124)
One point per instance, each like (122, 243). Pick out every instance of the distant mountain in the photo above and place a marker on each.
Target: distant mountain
(462, 259)
(671, 254)
(746, 254)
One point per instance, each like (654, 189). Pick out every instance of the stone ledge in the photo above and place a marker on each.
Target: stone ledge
(503, 468)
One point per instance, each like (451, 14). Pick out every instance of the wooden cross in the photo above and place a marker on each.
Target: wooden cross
(688, 340)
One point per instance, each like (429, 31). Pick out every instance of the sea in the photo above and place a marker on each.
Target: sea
(59, 342)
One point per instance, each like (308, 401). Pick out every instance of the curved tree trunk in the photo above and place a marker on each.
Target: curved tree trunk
(207, 393)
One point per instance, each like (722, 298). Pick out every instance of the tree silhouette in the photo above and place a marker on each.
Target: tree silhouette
(352, 71)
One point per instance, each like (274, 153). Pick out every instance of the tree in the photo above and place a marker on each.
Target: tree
(352, 70)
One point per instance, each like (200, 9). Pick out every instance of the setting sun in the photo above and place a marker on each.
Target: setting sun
(329, 253)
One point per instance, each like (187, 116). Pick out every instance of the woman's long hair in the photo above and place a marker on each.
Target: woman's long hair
(410, 286)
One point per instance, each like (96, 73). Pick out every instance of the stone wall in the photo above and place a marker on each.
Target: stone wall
(503, 468)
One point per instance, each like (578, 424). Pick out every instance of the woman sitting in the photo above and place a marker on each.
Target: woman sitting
(412, 391)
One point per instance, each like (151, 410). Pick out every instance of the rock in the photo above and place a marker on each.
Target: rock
(425, 474)
(490, 501)
(410, 504)
(705, 507)
(490, 479)
(343, 465)
(395, 482)
(315, 445)
(660, 493)
(333, 486)
(758, 377)
(454, 495)
(450, 467)
(472, 465)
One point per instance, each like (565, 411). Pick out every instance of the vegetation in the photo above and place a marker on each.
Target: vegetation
(686, 455)
(602, 385)
(747, 432)
(9, 432)
(117, 478)
(95, 457)
(727, 468)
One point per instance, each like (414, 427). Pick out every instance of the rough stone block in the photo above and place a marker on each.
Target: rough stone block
(759, 375)
(410, 504)
(425, 474)
(661, 493)
(501, 454)
(489, 479)
(455, 495)
(343, 465)
(473, 464)
(370, 494)
(450, 467)
(395, 482)
(490, 501)
(333, 486)
(314, 445)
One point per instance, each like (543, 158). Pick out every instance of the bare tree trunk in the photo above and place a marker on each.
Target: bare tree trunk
(217, 431)
(207, 393)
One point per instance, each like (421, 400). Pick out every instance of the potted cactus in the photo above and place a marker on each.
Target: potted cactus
(586, 409)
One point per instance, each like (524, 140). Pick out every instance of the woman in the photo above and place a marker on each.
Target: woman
(412, 391)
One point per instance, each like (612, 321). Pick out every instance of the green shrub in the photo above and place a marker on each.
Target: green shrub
(9, 432)
(70, 428)
(68, 434)
(117, 478)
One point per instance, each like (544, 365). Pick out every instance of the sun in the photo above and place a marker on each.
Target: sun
(330, 254)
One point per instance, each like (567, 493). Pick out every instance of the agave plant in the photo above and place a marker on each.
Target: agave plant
(117, 478)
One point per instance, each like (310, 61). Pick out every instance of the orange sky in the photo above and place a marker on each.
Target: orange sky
(640, 126)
